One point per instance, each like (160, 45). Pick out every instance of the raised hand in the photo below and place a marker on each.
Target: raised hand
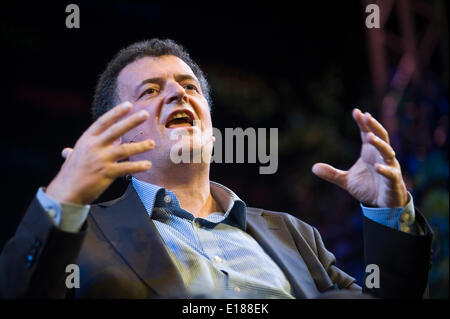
(376, 178)
(93, 164)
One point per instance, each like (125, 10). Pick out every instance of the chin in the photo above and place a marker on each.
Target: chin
(187, 152)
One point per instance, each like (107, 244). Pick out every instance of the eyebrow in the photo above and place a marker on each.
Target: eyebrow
(160, 81)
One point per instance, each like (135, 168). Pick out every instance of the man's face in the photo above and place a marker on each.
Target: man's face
(169, 91)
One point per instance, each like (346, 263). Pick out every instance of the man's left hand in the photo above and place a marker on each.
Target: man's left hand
(376, 178)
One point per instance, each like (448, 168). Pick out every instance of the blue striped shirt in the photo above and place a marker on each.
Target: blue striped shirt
(214, 255)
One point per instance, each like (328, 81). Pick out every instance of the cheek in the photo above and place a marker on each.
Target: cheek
(207, 122)
(141, 132)
(148, 127)
(203, 111)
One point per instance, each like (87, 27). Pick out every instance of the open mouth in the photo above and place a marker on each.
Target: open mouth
(180, 119)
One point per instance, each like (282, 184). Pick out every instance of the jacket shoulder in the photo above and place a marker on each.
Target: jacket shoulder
(129, 190)
(292, 222)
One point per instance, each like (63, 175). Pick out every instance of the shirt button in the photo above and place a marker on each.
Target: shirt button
(237, 289)
(218, 259)
(167, 199)
(406, 216)
(52, 212)
(405, 228)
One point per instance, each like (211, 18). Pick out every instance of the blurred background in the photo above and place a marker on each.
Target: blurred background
(301, 69)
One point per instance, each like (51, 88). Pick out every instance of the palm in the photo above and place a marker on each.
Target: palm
(364, 183)
(375, 179)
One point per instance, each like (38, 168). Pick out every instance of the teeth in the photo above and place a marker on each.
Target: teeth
(178, 115)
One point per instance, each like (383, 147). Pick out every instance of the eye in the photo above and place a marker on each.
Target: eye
(149, 91)
(191, 87)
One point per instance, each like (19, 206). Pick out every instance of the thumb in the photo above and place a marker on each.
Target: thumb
(66, 152)
(331, 174)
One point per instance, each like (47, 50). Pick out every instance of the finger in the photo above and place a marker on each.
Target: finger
(386, 171)
(129, 167)
(330, 174)
(66, 152)
(386, 151)
(118, 141)
(109, 118)
(376, 127)
(121, 127)
(129, 149)
(359, 119)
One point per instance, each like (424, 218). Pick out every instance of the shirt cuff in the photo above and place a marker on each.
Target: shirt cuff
(65, 216)
(400, 218)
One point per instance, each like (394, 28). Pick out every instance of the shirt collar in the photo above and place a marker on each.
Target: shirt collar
(153, 196)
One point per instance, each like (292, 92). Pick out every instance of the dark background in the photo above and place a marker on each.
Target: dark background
(299, 68)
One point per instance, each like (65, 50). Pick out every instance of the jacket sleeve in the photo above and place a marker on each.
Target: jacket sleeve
(403, 259)
(340, 279)
(320, 261)
(33, 262)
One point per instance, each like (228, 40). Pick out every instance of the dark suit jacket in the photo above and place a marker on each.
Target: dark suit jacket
(121, 255)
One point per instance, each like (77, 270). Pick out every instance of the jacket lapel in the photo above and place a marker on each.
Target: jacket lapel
(131, 231)
(271, 232)
(133, 234)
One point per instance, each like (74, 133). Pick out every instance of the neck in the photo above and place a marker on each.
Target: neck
(189, 182)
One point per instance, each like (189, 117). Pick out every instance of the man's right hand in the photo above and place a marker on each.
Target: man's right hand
(93, 164)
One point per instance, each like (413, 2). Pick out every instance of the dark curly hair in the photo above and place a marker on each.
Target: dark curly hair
(105, 96)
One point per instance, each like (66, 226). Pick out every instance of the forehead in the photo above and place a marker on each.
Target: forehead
(149, 67)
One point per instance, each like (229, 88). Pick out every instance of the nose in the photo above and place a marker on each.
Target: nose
(175, 93)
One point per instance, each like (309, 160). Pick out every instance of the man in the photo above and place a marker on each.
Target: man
(175, 233)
